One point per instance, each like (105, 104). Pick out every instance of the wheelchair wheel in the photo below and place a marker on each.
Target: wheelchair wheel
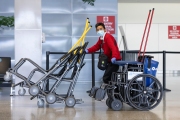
(144, 97)
(108, 102)
(116, 104)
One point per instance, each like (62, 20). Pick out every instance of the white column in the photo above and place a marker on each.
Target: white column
(28, 34)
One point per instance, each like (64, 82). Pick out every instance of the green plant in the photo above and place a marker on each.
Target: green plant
(6, 21)
(90, 2)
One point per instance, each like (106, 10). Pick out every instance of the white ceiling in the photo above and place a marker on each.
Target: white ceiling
(149, 1)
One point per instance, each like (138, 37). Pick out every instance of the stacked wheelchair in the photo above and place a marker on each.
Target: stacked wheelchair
(143, 91)
(73, 62)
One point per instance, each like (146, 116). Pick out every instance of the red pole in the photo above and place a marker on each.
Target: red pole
(144, 33)
(148, 33)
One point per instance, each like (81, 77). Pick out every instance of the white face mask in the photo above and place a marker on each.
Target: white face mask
(100, 32)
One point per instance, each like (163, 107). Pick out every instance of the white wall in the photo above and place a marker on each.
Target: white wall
(133, 16)
(137, 12)
(28, 37)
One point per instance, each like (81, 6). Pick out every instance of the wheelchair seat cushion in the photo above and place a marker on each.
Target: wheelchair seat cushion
(121, 63)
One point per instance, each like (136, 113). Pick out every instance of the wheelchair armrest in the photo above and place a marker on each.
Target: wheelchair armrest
(122, 63)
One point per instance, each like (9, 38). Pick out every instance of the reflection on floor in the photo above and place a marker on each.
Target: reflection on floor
(22, 108)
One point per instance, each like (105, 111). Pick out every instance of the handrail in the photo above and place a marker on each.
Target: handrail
(123, 56)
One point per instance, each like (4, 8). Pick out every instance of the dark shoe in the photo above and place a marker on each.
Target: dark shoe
(88, 91)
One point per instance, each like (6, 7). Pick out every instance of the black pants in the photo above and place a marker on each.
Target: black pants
(108, 72)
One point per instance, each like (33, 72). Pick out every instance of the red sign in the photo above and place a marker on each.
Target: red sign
(109, 22)
(174, 32)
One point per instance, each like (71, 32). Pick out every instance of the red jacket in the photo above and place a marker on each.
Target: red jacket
(109, 47)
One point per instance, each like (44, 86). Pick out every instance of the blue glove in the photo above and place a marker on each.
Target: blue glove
(113, 60)
(86, 51)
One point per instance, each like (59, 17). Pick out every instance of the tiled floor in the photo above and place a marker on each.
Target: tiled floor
(22, 108)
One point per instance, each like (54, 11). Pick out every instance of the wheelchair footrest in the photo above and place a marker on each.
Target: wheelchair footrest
(93, 91)
(79, 101)
(100, 94)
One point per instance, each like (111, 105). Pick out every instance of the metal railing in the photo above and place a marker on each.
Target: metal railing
(123, 54)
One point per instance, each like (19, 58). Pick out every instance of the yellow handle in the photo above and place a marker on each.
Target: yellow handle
(81, 38)
(84, 33)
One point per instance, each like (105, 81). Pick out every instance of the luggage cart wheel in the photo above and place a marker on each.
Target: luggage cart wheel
(7, 77)
(40, 103)
(21, 92)
(70, 101)
(34, 90)
(116, 105)
(50, 98)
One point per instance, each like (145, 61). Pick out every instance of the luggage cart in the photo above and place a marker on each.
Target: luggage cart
(73, 60)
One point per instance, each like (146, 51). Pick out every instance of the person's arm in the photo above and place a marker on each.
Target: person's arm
(113, 46)
(95, 47)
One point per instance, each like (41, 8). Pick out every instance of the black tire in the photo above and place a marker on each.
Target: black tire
(108, 102)
(139, 95)
(116, 105)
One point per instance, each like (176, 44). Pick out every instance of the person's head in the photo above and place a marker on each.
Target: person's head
(100, 29)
